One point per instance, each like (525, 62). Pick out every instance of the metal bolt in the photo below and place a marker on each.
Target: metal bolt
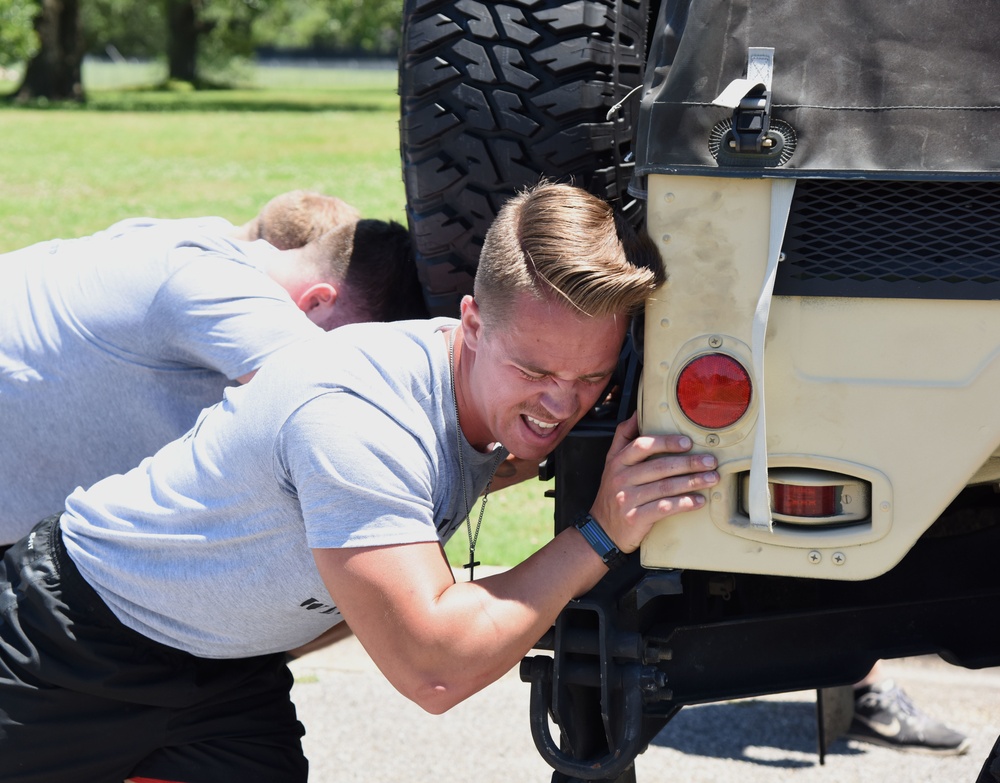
(712, 440)
(838, 558)
(652, 680)
(655, 653)
(815, 556)
(767, 143)
(715, 341)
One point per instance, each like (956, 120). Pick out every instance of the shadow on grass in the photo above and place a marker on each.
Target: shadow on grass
(780, 734)
(213, 98)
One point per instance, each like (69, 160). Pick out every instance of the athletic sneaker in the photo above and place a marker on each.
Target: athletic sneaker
(884, 715)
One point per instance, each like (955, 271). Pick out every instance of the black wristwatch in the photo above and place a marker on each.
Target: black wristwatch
(591, 530)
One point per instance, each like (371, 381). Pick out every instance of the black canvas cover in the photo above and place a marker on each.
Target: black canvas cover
(894, 89)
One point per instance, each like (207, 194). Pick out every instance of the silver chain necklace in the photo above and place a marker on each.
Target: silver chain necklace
(473, 537)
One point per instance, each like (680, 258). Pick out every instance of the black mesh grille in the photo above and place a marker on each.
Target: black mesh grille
(931, 240)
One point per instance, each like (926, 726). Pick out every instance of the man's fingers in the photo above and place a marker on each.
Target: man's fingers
(675, 487)
(665, 466)
(626, 432)
(641, 517)
(665, 507)
(647, 447)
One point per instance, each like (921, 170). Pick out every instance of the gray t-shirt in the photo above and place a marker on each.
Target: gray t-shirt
(346, 440)
(111, 345)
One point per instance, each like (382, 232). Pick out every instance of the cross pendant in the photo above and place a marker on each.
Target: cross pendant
(471, 565)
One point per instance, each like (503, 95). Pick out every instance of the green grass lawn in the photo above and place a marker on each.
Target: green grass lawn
(68, 171)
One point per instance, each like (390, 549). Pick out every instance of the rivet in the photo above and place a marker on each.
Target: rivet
(665, 322)
(884, 505)
(668, 197)
(665, 238)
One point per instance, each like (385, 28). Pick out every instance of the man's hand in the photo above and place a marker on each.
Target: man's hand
(646, 478)
(439, 642)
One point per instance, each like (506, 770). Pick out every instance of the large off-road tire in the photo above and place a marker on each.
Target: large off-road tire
(495, 95)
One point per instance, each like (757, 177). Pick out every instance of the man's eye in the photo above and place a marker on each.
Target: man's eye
(531, 376)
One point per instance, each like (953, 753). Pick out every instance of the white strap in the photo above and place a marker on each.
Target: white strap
(760, 498)
(760, 67)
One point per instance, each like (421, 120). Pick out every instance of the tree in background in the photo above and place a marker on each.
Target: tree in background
(192, 35)
(18, 41)
(54, 72)
(124, 29)
(218, 31)
(371, 26)
(185, 26)
(214, 32)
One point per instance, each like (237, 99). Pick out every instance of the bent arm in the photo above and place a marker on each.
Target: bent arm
(438, 641)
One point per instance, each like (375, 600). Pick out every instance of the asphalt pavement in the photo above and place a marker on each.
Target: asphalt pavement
(358, 728)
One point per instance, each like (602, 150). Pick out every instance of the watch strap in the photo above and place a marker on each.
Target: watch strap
(601, 542)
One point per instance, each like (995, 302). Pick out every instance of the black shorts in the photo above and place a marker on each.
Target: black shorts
(85, 699)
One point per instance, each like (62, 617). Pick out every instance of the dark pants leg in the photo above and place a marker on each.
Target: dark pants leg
(82, 697)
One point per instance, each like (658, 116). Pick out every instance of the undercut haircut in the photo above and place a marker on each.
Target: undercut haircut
(373, 259)
(560, 243)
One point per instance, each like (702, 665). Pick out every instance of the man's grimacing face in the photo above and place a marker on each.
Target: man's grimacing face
(537, 372)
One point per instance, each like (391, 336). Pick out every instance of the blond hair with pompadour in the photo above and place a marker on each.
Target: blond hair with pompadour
(557, 241)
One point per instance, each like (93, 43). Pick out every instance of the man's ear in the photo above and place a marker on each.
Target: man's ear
(317, 302)
(472, 322)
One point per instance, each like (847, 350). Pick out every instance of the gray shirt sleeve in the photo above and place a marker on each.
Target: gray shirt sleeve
(360, 477)
(222, 314)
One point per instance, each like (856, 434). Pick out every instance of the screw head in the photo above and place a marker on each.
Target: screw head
(715, 341)
(712, 440)
(815, 556)
(838, 558)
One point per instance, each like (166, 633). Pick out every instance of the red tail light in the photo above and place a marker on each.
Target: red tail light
(796, 501)
(714, 391)
(807, 497)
